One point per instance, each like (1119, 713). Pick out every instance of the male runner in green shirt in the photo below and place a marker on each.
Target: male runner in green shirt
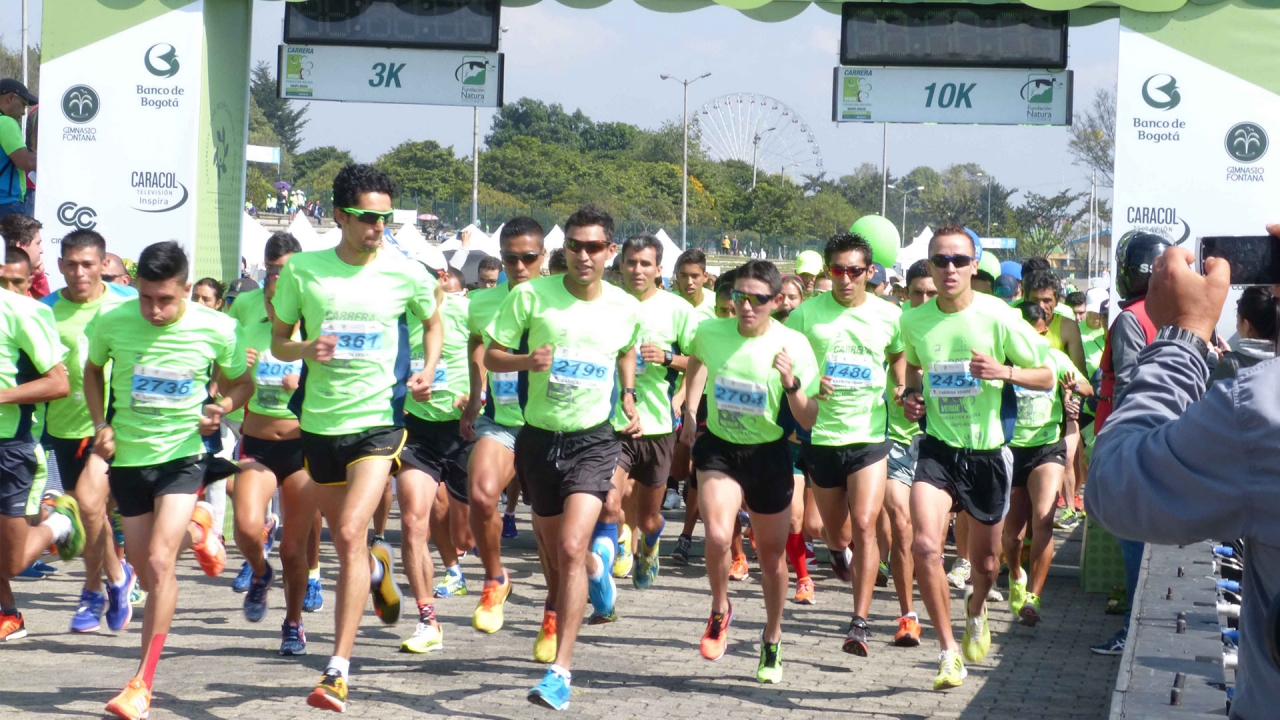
(581, 333)
(353, 302)
(956, 347)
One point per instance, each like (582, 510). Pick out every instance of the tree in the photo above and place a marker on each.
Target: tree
(286, 119)
(827, 213)
(532, 170)
(1093, 136)
(11, 66)
(862, 188)
(306, 163)
(531, 118)
(1047, 223)
(425, 169)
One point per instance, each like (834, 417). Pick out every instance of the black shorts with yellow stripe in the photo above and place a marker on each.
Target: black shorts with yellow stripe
(327, 457)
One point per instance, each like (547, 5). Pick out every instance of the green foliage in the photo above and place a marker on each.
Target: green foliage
(285, 119)
(425, 169)
(305, 164)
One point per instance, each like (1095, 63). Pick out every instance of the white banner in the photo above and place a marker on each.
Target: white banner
(103, 164)
(1193, 155)
(972, 96)
(390, 75)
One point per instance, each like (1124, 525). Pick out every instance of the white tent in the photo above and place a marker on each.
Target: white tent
(253, 241)
(554, 239)
(410, 240)
(917, 250)
(301, 229)
(331, 237)
(476, 240)
(670, 253)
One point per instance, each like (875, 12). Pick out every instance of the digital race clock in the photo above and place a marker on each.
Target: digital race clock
(442, 24)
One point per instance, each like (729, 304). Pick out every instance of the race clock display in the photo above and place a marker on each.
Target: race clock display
(440, 24)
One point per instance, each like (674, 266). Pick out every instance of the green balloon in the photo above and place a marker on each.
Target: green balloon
(991, 264)
(883, 236)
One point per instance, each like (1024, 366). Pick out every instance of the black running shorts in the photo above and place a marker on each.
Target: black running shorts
(551, 466)
(978, 481)
(764, 471)
(17, 474)
(328, 456)
(136, 488)
(647, 459)
(437, 449)
(70, 457)
(282, 457)
(1026, 459)
(830, 466)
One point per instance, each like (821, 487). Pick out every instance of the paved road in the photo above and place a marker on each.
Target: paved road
(217, 665)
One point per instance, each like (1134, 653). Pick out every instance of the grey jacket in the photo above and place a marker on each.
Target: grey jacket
(1177, 465)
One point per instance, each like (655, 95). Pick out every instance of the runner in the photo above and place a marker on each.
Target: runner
(69, 430)
(164, 349)
(579, 331)
(962, 340)
(491, 467)
(689, 283)
(856, 333)
(749, 365)
(15, 273)
(1039, 458)
(352, 302)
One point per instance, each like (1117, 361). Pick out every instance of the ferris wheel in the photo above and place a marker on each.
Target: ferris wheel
(760, 131)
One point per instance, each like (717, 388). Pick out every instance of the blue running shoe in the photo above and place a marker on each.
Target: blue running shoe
(602, 591)
(88, 617)
(453, 584)
(269, 535)
(509, 526)
(37, 570)
(243, 578)
(314, 601)
(553, 691)
(293, 639)
(255, 601)
(119, 611)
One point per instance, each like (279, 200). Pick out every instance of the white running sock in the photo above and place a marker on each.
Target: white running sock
(341, 664)
(562, 672)
(60, 525)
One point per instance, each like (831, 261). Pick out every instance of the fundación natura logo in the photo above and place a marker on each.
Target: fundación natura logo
(161, 60)
(1247, 142)
(80, 104)
(472, 71)
(1160, 91)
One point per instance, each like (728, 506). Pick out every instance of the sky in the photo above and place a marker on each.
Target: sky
(606, 61)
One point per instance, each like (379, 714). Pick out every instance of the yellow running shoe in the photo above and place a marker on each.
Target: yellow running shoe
(488, 614)
(977, 635)
(1017, 592)
(330, 693)
(133, 702)
(546, 646)
(625, 561)
(426, 638)
(386, 594)
(951, 671)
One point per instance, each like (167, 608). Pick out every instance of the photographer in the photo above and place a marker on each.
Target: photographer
(1175, 465)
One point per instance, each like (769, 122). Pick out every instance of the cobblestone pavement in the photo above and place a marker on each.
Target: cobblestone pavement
(217, 665)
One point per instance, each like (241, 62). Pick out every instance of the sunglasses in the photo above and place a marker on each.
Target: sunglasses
(528, 258)
(369, 217)
(274, 271)
(756, 299)
(941, 261)
(591, 248)
(106, 277)
(852, 271)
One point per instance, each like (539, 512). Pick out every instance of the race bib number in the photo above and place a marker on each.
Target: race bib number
(848, 370)
(506, 387)
(641, 365)
(741, 397)
(357, 340)
(155, 387)
(441, 379)
(952, 379)
(270, 371)
(581, 368)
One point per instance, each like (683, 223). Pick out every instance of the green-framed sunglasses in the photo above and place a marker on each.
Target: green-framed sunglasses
(369, 217)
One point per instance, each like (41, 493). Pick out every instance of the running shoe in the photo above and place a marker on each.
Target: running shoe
(599, 618)
(269, 534)
(427, 637)
(960, 572)
(452, 584)
(716, 638)
(882, 575)
(545, 646)
(1060, 502)
(1068, 520)
(509, 526)
(119, 612)
(804, 591)
(488, 614)
(855, 641)
(88, 617)
(647, 565)
(671, 501)
(243, 578)
(386, 594)
(210, 552)
(552, 692)
(739, 569)
(680, 553)
(908, 634)
(1017, 592)
(12, 627)
(770, 668)
(840, 565)
(951, 671)
(133, 702)
(255, 601)
(601, 590)
(1112, 646)
(73, 544)
(38, 570)
(314, 600)
(117, 527)
(993, 594)
(137, 598)
(293, 639)
(1029, 613)
(625, 560)
(977, 635)
(330, 693)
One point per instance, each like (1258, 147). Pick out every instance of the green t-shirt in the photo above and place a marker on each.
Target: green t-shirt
(707, 309)
(69, 418)
(29, 348)
(1094, 341)
(900, 429)
(451, 381)
(502, 402)
(852, 345)
(1040, 411)
(160, 377)
(961, 410)
(665, 322)
(270, 398)
(580, 389)
(744, 390)
(366, 307)
(14, 187)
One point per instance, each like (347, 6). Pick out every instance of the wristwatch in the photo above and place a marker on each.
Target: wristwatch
(793, 388)
(629, 391)
(1185, 336)
(667, 357)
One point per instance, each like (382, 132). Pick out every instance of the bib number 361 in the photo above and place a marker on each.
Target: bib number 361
(356, 340)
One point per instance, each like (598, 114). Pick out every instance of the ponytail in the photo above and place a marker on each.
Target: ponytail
(1262, 310)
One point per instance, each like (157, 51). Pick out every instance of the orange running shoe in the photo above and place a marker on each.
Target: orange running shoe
(133, 702)
(488, 617)
(908, 632)
(12, 627)
(210, 553)
(739, 570)
(804, 591)
(545, 647)
(716, 638)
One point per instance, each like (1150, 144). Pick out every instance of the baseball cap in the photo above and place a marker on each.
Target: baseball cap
(9, 85)
(1094, 299)
(878, 275)
(1004, 287)
(809, 262)
(1012, 269)
(240, 285)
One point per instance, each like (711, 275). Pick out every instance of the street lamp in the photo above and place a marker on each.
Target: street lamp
(989, 179)
(755, 148)
(684, 191)
(905, 193)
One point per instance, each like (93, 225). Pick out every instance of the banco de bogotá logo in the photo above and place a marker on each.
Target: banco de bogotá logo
(1247, 142)
(1160, 91)
(161, 60)
(80, 217)
(80, 104)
